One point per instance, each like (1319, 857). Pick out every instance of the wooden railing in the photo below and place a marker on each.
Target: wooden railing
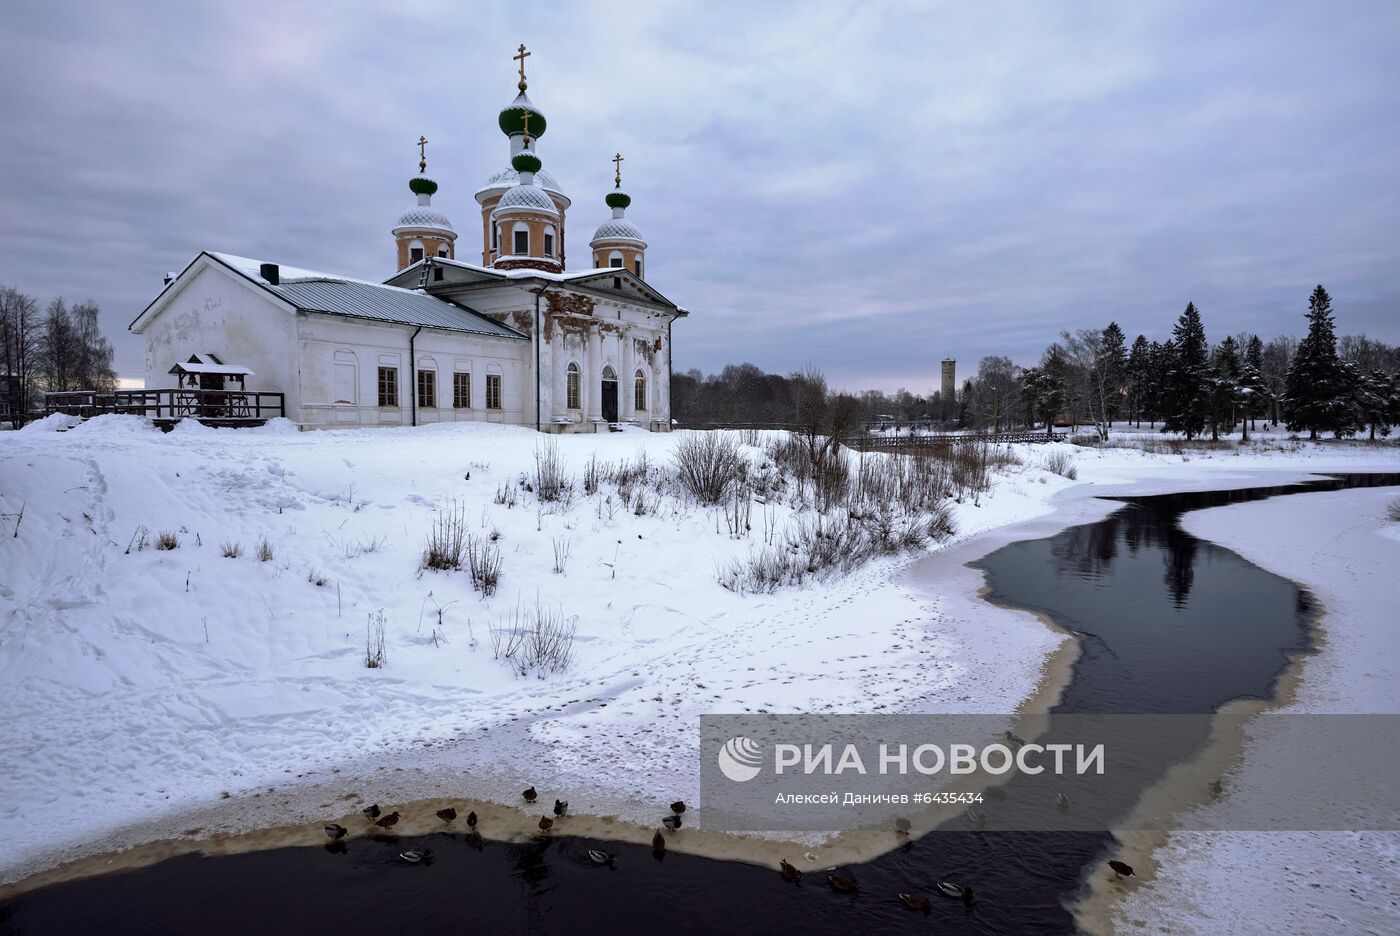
(225, 406)
(942, 439)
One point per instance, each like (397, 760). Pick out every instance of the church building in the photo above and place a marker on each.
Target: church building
(513, 336)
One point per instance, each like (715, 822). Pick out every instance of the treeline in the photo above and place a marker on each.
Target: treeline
(1316, 384)
(58, 348)
(1095, 377)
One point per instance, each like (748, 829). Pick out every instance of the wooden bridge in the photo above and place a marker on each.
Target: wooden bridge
(874, 442)
(167, 407)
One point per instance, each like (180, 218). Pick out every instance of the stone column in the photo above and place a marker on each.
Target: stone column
(663, 386)
(559, 378)
(593, 376)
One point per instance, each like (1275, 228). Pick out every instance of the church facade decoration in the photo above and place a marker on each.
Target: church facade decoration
(517, 338)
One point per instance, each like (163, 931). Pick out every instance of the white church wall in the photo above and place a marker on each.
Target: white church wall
(217, 312)
(333, 348)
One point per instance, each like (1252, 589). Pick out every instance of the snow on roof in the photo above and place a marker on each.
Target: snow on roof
(185, 367)
(617, 229)
(420, 217)
(527, 196)
(311, 291)
(508, 177)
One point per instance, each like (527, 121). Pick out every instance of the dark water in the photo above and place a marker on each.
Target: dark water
(1168, 623)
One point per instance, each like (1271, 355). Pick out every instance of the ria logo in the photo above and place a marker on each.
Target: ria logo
(740, 759)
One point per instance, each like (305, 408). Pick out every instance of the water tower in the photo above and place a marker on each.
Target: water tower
(950, 380)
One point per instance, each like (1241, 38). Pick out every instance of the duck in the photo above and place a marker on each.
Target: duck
(841, 881)
(955, 891)
(678, 807)
(902, 826)
(546, 823)
(1061, 802)
(474, 839)
(471, 819)
(371, 811)
(560, 807)
(658, 842)
(335, 832)
(995, 793)
(1012, 740)
(672, 822)
(1121, 869)
(417, 855)
(1216, 788)
(789, 871)
(598, 856)
(447, 815)
(977, 816)
(913, 901)
(530, 795)
(388, 821)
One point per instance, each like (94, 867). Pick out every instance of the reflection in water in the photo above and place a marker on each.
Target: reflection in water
(1168, 624)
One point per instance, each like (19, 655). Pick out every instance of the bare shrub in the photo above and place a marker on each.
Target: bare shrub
(446, 539)
(561, 555)
(167, 539)
(551, 483)
(1392, 510)
(231, 550)
(316, 578)
(709, 464)
(264, 550)
(538, 640)
(375, 656)
(593, 472)
(505, 494)
(484, 564)
(1060, 462)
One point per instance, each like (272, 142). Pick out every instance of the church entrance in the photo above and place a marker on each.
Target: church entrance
(609, 395)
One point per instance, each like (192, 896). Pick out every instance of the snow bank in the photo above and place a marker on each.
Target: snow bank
(139, 684)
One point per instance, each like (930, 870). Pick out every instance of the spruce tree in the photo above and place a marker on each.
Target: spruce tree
(1112, 366)
(1378, 401)
(1256, 387)
(1187, 399)
(1317, 392)
(1139, 376)
(1223, 388)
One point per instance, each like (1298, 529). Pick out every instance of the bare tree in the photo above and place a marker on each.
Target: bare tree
(19, 344)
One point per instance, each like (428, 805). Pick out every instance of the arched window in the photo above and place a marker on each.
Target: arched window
(442, 250)
(609, 373)
(574, 388)
(615, 259)
(495, 396)
(495, 237)
(521, 233)
(639, 392)
(415, 251)
(549, 240)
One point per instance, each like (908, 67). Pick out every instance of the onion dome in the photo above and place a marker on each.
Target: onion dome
(422, 185)
(512, 117)
(525, 195)
(618, 228)
(424, 218)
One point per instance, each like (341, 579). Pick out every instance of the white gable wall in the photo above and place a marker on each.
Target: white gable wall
(217, 311)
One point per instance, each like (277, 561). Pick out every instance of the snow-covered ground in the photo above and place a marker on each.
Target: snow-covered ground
(141, 687)
(1340, 545)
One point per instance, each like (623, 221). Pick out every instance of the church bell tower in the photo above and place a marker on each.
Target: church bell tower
(423, 231)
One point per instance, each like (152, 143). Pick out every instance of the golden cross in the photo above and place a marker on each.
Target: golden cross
(422, 154)
(617, 165)
(525, 126)
(520, 57)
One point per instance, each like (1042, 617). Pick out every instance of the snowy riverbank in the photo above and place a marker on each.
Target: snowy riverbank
(141, 686)
(1297, 882)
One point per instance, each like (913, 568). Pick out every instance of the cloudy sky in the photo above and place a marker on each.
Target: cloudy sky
(868, 187)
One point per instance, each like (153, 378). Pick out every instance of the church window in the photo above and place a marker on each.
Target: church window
(461, 391)
(574, 388)
(415, 254)
(548, 244)
(493, 391)
(522, 240)
(495, 237)
(388, 386)
(427, 388)
(615, 260)
(437, 273)
(617, 282)
(442, 250)
(639, 392)
(637, 266)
